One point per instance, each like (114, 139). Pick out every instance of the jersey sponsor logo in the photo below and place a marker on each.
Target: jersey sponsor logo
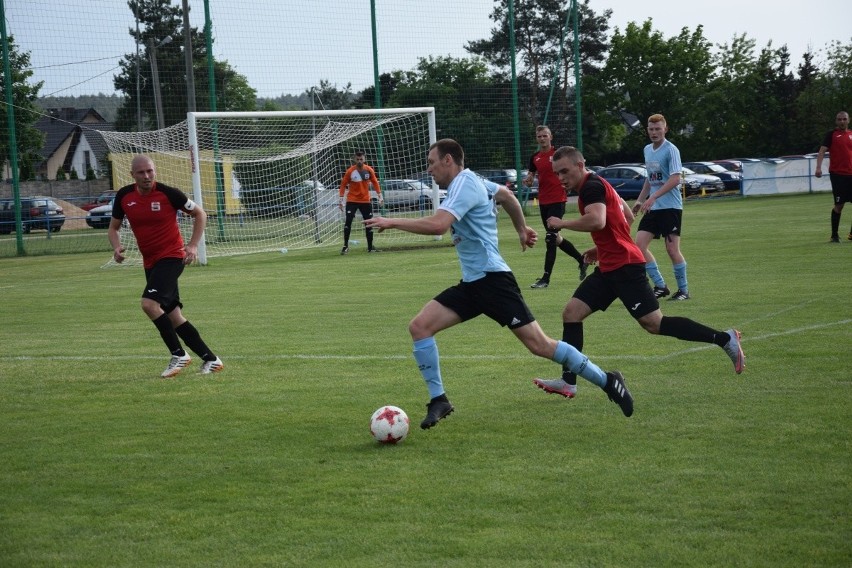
(155, 206)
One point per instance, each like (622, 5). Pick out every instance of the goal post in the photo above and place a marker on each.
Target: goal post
(280, 171)
(269, 180)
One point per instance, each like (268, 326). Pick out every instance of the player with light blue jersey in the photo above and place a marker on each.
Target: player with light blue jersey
(488, 286)
(470, 200)
(662, 163)
(662, 204)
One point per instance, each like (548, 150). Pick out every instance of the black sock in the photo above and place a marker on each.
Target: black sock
(569, 249)
(192, 338)
(572, 334)
(549, 258)
(689, 330)
(167, 332)
(835, 222)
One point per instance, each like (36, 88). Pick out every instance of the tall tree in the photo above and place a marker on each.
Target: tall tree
(475, 107)
(647, 73)
(326, 96)
(158, 20)
(750, 107)
(29, 141)
(539, 31)
(826, 94)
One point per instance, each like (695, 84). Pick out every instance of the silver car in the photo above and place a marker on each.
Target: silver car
(406, 194)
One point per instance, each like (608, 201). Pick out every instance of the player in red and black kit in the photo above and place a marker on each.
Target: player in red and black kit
(551, 201)
(839, 143)
(620, 273)
(151, 209)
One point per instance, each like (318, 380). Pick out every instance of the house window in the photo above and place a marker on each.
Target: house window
(87, 157)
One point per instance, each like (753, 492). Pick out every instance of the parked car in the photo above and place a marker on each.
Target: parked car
(532, 192)
(695, 183)
(730, 165)
(503, 176)
(102, 199)
(99, 217)
(732, 180)
(627, 179)
(36, 213)
(295, 200)
(400, 194)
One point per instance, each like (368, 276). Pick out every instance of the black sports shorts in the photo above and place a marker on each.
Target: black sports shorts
(662, 222)
(551, 210)
(628, 283)
(496, 295)
(841, 188)
(162, 283)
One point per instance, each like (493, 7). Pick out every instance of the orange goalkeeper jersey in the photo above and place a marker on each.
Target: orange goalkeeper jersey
(359, 182)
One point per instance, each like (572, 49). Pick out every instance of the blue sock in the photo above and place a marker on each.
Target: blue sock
(426, 355)
(680, 276)
(579, 364)
(654, 274)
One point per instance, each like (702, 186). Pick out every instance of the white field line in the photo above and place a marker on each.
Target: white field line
(516, 355)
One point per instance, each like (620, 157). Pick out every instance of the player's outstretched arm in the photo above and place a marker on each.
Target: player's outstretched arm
(436, 224)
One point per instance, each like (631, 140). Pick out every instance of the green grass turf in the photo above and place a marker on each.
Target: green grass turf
(270, 462)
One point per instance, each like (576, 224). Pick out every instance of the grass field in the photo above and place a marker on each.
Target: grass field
(270, 463)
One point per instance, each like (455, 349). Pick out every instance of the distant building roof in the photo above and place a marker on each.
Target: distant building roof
(59, 124)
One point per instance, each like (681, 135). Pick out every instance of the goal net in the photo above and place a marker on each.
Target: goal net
(269, 181)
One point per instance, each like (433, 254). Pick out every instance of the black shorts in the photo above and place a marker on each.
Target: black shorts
(662, 222)
(366, 210)
(628, 283)
(162, 283)
(551, 210)
(496, 295)
(841, 187)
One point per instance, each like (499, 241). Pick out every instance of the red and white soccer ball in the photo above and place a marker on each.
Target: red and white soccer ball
(389, 425)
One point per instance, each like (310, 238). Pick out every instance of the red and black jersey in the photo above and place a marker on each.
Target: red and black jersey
(550, 189)
(839, 144)
(153, 220)
(614, 243)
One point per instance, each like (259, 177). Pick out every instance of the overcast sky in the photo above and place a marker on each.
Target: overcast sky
(303, 41)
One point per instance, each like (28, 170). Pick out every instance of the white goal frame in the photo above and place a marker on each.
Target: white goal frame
(195, 152)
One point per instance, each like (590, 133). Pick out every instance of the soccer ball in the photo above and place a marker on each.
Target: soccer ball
(389, 425)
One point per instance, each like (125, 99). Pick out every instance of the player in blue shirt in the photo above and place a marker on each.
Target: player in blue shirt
(662, 204)
(487, 285)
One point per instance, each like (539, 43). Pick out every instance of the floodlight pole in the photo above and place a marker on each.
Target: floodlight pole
(187, 52)
(158, 95)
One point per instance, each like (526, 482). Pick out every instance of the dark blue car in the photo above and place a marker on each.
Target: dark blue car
(626, 179)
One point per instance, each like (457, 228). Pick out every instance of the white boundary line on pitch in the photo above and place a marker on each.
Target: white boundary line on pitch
(520, 355)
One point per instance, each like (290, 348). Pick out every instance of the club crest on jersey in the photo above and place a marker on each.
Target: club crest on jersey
(155, 206)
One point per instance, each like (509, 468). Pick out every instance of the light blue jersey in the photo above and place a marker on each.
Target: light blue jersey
(471, 202)
(662, 163)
